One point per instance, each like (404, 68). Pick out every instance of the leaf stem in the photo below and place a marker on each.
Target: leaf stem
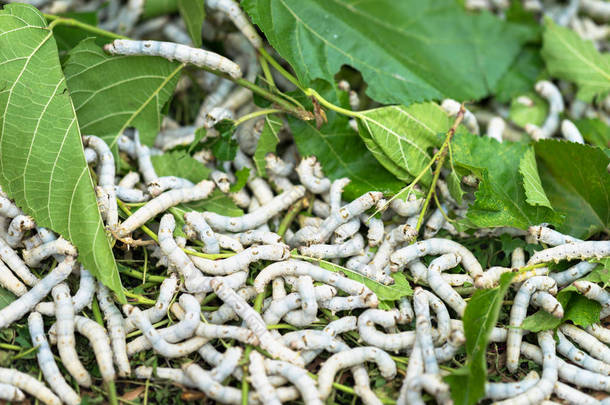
(255, 114)
(280, 69)
(288, 107)
(440, 157)
(312, 93)
(71, 22)
(289, 217)
(266, 70)
(140, 276)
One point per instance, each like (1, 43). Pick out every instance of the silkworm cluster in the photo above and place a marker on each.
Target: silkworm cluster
(287, 302)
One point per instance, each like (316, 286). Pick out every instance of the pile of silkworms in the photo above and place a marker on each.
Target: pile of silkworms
(263, 300)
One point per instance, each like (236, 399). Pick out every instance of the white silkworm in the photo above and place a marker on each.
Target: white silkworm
(350, 358)
(211, 388)
(225, 313)
(518, 313)
(452, 108)
(437, 246)
(46, 362)
(320, 208)
(435, 222)
(66, 343)
(228, 364)
(335, 219)
(231, 8)
(105, 176)
(9, 392)
(10, 282)
(376, 230)
(257, 218)
(548, 303)
(572, 353)
(386, 341)
(260, 381)
(17, 228)
(299, 268)
(173, 374)
(222, 180)
(100, 343)
(407, 208)
(259, 237)
(573, 273)
(443, 321)
(571, 251)
(305, 170)
(422, 330)
(159, 310)
(298, 377)
(130, 195)
(347, 230)
(544, 387)
(130, 180)
(242, 260)
(30, 385)
(8, 208)
(306, 290)
(255, 323)
(570, 132)
(495, 128)
(277, 167)
(587, 342)
(358, 262)
(375, 269)
(600, 332)
(596, 8)
(281, 306)
(172, 51)
(116, 329)
(440, 286)
(34, 257)
(338, 304)
(594, 292)
(572, 395)
(415, 368)
(546, 235)
(14, 262)
(496, 391)
(216, 115)
(350, 248)
(552, 94)
(28, 301)
(142, 153)
(457, 280)
(161, 184)
(161, 203)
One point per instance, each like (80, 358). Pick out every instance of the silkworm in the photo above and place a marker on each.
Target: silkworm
(596, 8)
(222, 180)
(495, 128)
(415, 368)
(81, 299)
(387, 341)
(9, 392)
(29, 384)
(543, 234)
(305, 170)
(435, 222)
(347, 230)
(374, 269)
(496, 391)
(10, 282)
(552, 94)
(281, 306)
(572, 353)
(242, 260)
(215, 115)
(28, 301)
(231, 8)
(165, 373)
(543, 387)
(17, 228)
(164, 183)
(130, 180)
(357, 263)
(452, 108)
(258, 217)
(116, 330)
(46, 362)
(8, 208)
(228, 364)
(570, 132)
(350, 358)
(422, 330)
(298, 377)
(212, 100)
(277, 167)
(338, 304)
(100, 343)
(259, 237)
(172, 51)
(600, 332)
(260, 381)
(130, 195)
(159, 310)
(337, 218)
(593, 346)
(211, 388)
(14, 262)
(518, 313)
(350, 248)
(440, 286)
(572, 395)
(255, 323)
(573, 273)
(433, 384)
(305, 289)
(437, 246)
(548, 303)
(228, 242)
(66, 343)
(105, 175)
(142, 154)
(449, 349)
(161, 203)
(376, 231)
(443, 321)
(594, 292)
(34, 257)
(299, 268)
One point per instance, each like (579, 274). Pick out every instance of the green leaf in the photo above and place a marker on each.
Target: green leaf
(522, 114)
(576, 60)
(242, 178)
(405, 134)
(531, 180)
(6, 297)
(577, 308)
(575, 179)
(217, 202)
(601, 274)
(400, 288)
(113, 93)
(193, 13)
(455, 187)
(181, 164)
(500, 199)
(407, 51)
(68, 37)
(42, 162)
(382, 158)
(267, 143)
(155, 8)
(342, 154)
(481, 314)
(521, 76)
(595, 131)
(224, 146)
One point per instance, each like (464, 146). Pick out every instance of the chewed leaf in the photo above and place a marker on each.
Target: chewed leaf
(531, 180)
(193, 13)
(42, 163)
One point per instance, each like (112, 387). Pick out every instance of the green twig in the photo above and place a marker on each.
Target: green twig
(289, 217)
(266, 70)
(255, 114)
(71, 22)
(140, 276)
(280, 69)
